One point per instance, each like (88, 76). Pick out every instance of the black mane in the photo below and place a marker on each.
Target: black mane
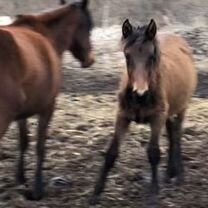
(139, 36)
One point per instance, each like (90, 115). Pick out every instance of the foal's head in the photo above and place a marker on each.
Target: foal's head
(81, 45)
(141, 53)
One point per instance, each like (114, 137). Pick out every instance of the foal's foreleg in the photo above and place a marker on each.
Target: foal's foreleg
(174, 130)
(153, 149)
(121, 127)
(23, 145)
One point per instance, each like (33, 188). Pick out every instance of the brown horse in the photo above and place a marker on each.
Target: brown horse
(30, 63)
(156, 88)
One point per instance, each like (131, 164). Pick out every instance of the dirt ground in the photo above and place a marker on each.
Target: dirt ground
(83, 126)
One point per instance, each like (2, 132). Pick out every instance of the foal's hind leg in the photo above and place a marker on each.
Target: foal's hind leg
(121, 127)
(174, 131)
(23, 145)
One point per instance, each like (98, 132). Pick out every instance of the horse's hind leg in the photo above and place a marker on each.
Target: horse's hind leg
(23, 145)
(121, 127)
(44, 119)
(174, 131)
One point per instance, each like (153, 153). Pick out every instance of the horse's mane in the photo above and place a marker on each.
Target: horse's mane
(53, 14)
(44, 16)
(50, 16)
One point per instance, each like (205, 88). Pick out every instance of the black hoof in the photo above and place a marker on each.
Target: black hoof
(94, 200)
(30, 195)
(153, 201)
(154, 189)
(172, 172)
(167, 180)
(179, 180)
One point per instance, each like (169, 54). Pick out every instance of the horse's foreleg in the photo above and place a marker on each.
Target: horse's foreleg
(121, 127)
(23, 145)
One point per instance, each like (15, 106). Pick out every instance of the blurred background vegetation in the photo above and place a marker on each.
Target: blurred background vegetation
(111, 12)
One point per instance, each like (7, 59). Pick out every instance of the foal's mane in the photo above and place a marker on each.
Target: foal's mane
(139, 35)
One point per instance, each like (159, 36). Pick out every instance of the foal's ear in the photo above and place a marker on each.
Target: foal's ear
(62, 2)
(127, 28)
(151, 30)
(84, 4)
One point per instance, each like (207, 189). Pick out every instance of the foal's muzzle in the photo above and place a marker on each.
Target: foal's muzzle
(140, 90)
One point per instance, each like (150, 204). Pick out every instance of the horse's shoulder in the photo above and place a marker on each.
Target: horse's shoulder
(5, 34)
(7, 41)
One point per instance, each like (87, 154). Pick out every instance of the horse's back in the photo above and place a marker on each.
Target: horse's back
(177, 65)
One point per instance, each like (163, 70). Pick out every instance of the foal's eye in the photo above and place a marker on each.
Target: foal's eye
(151, 60)
(140, 49)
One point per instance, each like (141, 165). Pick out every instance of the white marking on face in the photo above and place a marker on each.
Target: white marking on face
(140, 90)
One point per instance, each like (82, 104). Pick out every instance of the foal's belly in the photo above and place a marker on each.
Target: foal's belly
(140, 116)
(137, 108)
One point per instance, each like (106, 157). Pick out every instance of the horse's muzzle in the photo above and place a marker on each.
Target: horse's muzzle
(90, 60)
(88, 64)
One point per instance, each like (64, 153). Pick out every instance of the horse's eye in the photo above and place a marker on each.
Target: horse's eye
(127, 56)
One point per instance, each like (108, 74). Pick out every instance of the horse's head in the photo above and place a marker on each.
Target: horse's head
(141, 53)
(81, 46)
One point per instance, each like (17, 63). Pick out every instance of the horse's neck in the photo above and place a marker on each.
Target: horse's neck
(61, 34)
(60, 26)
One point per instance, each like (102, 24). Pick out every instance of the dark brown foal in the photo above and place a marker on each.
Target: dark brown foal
(155, 89)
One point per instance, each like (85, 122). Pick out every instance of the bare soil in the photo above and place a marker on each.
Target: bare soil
(83, 126)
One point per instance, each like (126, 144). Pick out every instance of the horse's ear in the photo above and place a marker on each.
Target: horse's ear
(84, 4)
(20, 16)
(62, 2)
(127, 28)
(151, 30)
